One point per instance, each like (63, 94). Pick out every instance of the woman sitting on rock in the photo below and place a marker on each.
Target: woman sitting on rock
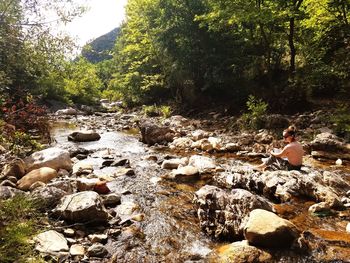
(290, 158)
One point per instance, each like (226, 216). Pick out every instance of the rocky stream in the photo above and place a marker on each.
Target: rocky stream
(185, 192)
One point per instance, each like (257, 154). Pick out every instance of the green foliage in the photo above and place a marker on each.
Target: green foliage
(101, 48)
(19, 222)
(22, 144)
(256, 110)
(166, 111)
(341, 118)
(28, 51)
(229, 48)
(82, 83)
(154, 110)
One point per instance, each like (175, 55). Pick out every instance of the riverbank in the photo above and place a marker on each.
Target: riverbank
(148, 213)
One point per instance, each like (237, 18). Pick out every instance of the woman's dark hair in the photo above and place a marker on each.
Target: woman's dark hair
(291, 131)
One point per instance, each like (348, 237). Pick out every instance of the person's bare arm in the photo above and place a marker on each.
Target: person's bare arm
(281, 154)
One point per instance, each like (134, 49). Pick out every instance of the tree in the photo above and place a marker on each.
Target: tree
(82, 83)
(28, 49)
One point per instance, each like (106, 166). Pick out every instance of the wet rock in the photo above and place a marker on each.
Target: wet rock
(12, 179)
(202, 163)
(174, 163)
(336, 181)
(7, 192)
(245, 139)
(85, 184)
(63, 173)
(84, 136)
(199, 134)
(331, 146)
(232, 147)
(320, 207)
(242, 252)
(36, 185)
(268, 230)
(207, 144)
(82, 207)
(121, 162)
(283, 185)
(98, 238)
(176, 121)
(152, 134)
(44, 174)
(49, 196)
(184, 173)
(124, 171)
(330, 155)
(51, 242)
(8, 183)
(69, 111)
(101, 187)
(77, 250)
(223, 214)
(78, 151)
(263, 137)
(54, 158)
(65, 185)
(69, 232)
(126, 209)
(16, 168)
(97, 250)
(182, 143)
(111, 199)
(82, 168)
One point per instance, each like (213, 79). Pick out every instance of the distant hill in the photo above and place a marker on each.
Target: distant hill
(100, 48)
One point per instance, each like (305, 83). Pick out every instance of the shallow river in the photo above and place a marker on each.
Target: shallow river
(169, 231)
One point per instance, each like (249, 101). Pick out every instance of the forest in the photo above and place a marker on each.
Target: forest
(246, 59)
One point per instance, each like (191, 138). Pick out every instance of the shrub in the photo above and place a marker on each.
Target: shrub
(341, 119)
(154, 110)
(166, 111)
(19, 221)
(256, 111)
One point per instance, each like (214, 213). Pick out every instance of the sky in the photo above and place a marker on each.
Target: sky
(102, 17)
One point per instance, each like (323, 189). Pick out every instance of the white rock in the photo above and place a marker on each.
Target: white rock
(54, 158)
(51, 242)
(77, 250)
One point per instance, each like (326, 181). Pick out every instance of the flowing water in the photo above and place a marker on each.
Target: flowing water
(169, 229)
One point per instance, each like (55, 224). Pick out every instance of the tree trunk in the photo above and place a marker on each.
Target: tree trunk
(291, 45)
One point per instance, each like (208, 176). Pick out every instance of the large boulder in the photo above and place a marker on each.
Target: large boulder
(223, 214)
(284, 185)
(69, 111)
(152, 133)
(184, 173)
(329, 143)
(15, 168)
(84, 136)
(202, 163)
(268, 230)
(43, 174)
(54, 158)
(242, 252)
(85, 206)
